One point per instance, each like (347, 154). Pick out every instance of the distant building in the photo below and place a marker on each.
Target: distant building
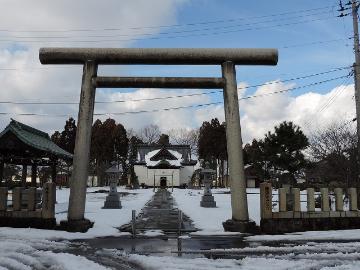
(164, 165)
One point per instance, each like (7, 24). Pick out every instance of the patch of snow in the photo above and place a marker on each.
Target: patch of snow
(107, 221)
(353, 235)
(25, 254)
(173, 263)
(209, 220)
(152, 233)
(70, 261)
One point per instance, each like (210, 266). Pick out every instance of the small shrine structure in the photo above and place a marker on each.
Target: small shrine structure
(26, 146)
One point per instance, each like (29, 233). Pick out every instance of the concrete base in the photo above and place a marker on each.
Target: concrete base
(30, 222)
(208, 201)
(112, 202)
(82, 225)
(241, 226)
(287, 225)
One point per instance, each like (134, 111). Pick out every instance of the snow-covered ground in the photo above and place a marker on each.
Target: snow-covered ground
(209, 220)
(106, 220)
(318, 261)
(25, 253)
(41, 249)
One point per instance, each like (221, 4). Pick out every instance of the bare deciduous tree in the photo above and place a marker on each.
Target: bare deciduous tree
(185, 136)
(150, 134)
(333, 150)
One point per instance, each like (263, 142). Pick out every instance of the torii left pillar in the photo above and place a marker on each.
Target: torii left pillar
(76, 221)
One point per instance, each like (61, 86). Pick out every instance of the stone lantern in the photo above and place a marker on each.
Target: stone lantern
(113, 199)
(207, 200)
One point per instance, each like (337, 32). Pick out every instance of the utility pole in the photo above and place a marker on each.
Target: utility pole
(354, 12)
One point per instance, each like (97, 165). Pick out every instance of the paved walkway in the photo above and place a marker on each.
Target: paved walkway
(161, 214)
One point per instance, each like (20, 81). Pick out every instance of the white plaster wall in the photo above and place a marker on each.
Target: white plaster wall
(141, 173)
(164, 173)
(185, 174)
(180, 176)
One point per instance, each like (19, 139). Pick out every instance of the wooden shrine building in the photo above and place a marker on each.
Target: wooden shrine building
(26, 146)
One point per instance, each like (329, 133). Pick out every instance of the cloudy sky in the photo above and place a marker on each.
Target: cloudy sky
(315, 53)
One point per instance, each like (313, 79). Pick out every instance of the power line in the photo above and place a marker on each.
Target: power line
(177, 96)
(170, 37)
(167, 26)
(172, 32)
(316, 42)
(180, 107)
(330, 100)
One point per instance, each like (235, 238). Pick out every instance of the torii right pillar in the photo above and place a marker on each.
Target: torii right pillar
(240, 221)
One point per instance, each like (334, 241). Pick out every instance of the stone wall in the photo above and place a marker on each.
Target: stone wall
(290, 218)
(24, 208)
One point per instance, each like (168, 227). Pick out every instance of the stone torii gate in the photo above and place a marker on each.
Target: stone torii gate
(90, 58)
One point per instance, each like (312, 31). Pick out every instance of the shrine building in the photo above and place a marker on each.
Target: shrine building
(164, 165)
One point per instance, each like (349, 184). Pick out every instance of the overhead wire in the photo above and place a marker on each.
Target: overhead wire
(167, 26)
(177, 96)
(179, 107)
(171, 32)
(170, 36)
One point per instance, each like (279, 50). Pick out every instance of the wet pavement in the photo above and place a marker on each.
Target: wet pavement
(161, 214)
(166, 246)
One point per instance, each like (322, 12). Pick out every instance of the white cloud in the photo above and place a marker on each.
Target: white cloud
(311, 111)
(55, 83)
(33, 82)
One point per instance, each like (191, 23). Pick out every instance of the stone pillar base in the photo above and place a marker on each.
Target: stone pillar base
(82, 225)
(112, 202)
(248, 226)
(207, 201)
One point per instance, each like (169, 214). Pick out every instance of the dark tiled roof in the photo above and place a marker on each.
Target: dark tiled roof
(35, 138)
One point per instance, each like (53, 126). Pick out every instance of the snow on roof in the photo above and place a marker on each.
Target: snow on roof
(176, 162)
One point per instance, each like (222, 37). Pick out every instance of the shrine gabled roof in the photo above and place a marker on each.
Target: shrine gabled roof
(163, 153)
(164, 164)
(35, 138)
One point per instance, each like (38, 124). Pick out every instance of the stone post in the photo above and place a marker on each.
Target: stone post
(3, 198)
(53, 172)
(23, 175)
(325, 199)
(265, 200)
(296, 194)
(31, 199)
(33, 175)
(16, 198)
(76, 220)
(339, 201)
(49, 200)
(112, 201)
(310, 200)
(240, 215)
(282, 199)
(1, 171)
(207, 200)
(352, 199)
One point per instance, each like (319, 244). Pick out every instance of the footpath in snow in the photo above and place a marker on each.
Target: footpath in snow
(160, 215)
(45, 249)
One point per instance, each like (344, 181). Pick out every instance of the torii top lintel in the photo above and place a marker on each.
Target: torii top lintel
(159, 56)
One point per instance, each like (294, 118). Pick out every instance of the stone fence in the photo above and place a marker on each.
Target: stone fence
(28, 209)
(290, 218)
